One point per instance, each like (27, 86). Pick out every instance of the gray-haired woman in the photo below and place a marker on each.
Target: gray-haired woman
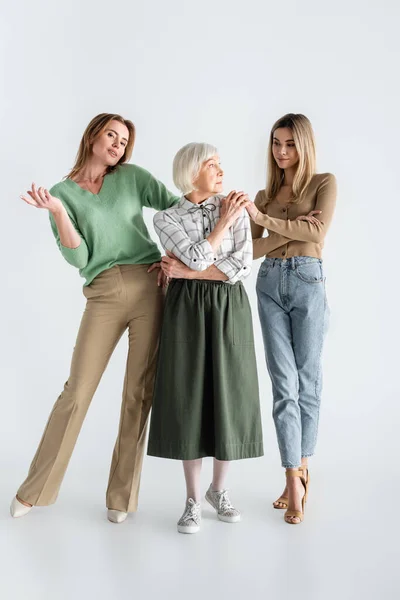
(206, 400)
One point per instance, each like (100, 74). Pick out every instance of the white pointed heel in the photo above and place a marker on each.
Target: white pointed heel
(17, 509)
(116, 516)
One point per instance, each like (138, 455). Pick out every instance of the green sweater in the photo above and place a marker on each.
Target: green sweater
(110, 223)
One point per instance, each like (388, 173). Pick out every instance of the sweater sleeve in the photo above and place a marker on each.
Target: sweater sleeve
(264, 245)
(77, 257)
(157, 196)
(304, 231)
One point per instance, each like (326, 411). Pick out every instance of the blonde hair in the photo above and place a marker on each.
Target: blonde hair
(187, 164)
(303, 137)
(92, 132)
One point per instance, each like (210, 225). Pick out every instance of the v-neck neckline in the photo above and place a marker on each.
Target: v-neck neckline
(105, 178)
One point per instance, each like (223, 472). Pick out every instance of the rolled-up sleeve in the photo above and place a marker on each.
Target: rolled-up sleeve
(237, 265)
(196, 255)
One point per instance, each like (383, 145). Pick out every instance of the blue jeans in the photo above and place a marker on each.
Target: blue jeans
(293, 313)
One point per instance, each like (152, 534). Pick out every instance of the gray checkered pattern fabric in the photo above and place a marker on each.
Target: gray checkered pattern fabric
(183, 230)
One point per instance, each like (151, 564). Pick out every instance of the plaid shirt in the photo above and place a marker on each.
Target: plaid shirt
(184, 228)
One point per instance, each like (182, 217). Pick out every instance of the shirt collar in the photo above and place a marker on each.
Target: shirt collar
(187, 205)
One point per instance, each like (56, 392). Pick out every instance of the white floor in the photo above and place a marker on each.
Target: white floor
(347, 547)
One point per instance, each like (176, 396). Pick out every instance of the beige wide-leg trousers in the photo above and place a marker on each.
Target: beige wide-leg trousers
(123, 297)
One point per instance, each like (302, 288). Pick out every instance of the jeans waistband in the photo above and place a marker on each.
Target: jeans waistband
(293, 262)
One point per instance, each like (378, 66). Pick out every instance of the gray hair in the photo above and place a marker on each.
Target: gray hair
(187, 164)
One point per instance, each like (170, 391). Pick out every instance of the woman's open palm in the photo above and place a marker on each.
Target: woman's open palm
(41, 198)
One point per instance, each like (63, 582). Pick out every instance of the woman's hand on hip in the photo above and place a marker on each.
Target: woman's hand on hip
(41, 198)
(161, 278)
(173, 268)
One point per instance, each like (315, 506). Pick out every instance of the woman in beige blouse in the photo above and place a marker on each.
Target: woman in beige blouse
(296, 209)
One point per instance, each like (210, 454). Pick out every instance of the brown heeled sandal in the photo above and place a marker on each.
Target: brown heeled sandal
(307, 478)
(296, 513)
(283, 500)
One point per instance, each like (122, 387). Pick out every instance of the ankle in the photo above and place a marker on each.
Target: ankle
(193, 497)
(216, 486)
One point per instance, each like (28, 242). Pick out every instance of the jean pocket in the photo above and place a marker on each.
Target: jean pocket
(310, 272)
(264, 269)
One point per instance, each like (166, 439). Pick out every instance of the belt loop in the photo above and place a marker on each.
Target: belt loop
(293, 261)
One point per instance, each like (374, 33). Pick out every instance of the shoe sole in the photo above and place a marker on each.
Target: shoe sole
(229, 519)
(116, 522)
(187, 529)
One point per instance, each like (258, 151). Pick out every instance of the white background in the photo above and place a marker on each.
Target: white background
(220, 72)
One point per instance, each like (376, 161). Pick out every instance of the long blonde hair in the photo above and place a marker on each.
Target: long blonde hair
(92, 131)
(304, 140)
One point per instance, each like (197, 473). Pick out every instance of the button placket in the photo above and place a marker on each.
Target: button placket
(206, 212)
(205, 216)
(285, 213)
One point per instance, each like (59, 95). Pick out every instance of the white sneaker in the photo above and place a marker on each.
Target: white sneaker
(116, 516)
(220, 501)
(17, 509)
(191, 518)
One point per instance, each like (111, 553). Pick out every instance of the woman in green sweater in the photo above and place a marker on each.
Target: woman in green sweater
(96, 217)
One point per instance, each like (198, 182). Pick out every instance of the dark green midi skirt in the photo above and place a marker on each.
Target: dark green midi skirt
(206, 400)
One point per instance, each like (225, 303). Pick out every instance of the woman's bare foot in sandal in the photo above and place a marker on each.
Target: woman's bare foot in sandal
(282, 501)
(296, 490)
